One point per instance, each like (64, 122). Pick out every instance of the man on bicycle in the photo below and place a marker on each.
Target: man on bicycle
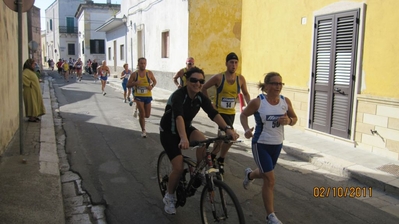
(176, 130)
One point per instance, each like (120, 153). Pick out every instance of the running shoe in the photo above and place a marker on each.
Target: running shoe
(169, 202)
(124, 101)
(128, 99)
(104, 93)
(130, 103)
(272, 219)
(247, 181)
(135, 114)
(144, 134)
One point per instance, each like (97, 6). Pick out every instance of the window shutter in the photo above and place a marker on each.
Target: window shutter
(344, 70)
(333, 71)
(323, 48)
(92, 47)
(102, 47)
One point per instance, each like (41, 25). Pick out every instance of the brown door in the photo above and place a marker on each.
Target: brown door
(333, 72)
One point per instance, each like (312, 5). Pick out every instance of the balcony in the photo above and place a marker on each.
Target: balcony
(68, 29)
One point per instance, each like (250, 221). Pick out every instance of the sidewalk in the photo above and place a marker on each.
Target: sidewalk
(337, 157)
(30, 186)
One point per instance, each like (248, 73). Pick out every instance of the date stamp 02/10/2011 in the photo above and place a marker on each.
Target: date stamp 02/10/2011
(342, 192)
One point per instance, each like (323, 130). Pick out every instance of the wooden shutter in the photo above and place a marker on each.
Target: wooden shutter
(333, 72)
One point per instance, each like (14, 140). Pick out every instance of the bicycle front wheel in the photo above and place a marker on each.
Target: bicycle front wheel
(220, 205)
(164, 168)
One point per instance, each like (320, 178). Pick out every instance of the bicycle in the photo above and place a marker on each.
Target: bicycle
(218, 202)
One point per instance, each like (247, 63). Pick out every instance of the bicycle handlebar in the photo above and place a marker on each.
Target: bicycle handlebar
(225, 138)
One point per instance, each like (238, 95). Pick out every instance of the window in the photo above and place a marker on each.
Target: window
(51, 24)
(70, 24)
(165, 44)
(71, 49)
(83, 47)
(97, 47)
(122, 51)
(109, 54)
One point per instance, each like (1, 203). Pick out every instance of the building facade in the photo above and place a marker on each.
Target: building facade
(34, 35)
(154, 29)
(9, 96)
(337, 61)
(90, 16)
(62, 29)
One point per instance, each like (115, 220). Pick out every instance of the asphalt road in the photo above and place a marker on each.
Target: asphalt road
(118, 167)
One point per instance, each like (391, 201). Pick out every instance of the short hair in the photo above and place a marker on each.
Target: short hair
(125, 64)
(192, 71)
(138, 60)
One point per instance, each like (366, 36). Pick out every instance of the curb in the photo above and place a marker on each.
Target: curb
(370, 177)
(48, 157)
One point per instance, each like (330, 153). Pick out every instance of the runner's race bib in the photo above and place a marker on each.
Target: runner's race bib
(142, 90)
(228, 103)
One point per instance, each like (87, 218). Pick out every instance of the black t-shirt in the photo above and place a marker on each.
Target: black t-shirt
(180, 104)
(94, 66)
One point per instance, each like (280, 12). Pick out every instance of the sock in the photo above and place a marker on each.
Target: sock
(248, 176)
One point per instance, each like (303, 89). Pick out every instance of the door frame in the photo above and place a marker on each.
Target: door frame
(337, 8)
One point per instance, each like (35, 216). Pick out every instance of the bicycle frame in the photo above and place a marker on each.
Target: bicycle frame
(206, 163)
(218, 202)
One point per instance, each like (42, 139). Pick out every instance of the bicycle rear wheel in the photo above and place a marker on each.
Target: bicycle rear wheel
(164, 168)
(220, 205)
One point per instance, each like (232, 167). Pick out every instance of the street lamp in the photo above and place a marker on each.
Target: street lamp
(124, 19)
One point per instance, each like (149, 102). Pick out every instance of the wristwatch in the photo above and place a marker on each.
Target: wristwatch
(227, 127)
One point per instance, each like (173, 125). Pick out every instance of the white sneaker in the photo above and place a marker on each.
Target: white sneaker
(247, 181)
(144, 134)
(272, 219)
(135, 114)
(104, 93)
(124, 101)
(169, 204)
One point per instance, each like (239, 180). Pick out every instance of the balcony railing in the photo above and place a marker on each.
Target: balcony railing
(68, 29)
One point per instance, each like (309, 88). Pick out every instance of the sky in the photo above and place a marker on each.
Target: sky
(43, 4)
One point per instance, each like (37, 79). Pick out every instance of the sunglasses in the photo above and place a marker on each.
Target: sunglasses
(195, 80)
(189, 63)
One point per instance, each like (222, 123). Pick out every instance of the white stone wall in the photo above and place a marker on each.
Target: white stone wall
(155, 17)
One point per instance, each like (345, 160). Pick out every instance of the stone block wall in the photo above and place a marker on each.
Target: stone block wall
(377, 126)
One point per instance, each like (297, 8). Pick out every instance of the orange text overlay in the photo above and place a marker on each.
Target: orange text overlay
(342, 192)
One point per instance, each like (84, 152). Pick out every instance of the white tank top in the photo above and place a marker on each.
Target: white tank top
(268, 130)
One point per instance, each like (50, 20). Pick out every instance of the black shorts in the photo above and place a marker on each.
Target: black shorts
(59, 69)
(170, 142)
(229, 119)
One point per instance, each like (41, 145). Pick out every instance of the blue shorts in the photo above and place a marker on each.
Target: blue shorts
(266, 156)
(144, 99)
(124, 83)
(104, 77)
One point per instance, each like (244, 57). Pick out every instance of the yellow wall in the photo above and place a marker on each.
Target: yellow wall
(214, 31)
(273, 39)
(381, 49)
(9, 104)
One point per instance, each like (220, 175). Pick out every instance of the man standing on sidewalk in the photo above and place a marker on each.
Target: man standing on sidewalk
(144, 81)
(228, 85)
(180, 79)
